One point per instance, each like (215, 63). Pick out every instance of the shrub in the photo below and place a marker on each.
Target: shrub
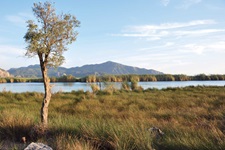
(95, 88)
(125, 86)
(135, 87)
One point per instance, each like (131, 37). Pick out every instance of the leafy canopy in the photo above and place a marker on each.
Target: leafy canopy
(48, 36)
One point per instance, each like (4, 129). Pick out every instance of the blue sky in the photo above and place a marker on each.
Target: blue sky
(172, 36)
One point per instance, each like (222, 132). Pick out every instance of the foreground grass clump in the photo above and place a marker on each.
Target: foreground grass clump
(191, 118)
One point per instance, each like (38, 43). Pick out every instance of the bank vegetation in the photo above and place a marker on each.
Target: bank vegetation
(119, 78)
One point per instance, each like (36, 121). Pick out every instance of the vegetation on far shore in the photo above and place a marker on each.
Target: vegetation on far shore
(119, 78)
(190, 117)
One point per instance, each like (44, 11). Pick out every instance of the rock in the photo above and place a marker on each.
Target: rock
(4, 74)
(156, 132)
(37, 146)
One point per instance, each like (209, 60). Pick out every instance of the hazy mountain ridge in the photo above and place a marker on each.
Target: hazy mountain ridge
(100, 69)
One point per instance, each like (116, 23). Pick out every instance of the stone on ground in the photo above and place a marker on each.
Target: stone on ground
(37, 146)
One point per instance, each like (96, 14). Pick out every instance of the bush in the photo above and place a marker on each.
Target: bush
(125, 86)
(95, 88)
(135, 87)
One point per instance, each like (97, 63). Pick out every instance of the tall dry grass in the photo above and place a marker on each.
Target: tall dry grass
(191, 118)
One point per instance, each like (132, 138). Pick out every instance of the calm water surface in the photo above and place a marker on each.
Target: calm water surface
(68, 87)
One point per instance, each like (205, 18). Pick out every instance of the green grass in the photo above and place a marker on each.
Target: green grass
(191, 118)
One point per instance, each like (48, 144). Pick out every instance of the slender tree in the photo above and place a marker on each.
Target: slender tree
(47, 38)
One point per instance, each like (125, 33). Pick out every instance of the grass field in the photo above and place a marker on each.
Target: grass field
(192, 118)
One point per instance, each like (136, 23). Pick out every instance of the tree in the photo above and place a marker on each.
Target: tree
(47, 38)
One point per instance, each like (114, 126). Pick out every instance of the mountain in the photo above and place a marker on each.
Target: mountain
(30, 71)
(4, 73)
(101, 69)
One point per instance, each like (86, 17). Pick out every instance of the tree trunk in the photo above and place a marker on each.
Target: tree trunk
(47, 97)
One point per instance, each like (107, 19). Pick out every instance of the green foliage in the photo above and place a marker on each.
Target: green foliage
(117, 78)
(202, 77)
(147, 78)
(181, 77)
(48, 37)
(166, 77)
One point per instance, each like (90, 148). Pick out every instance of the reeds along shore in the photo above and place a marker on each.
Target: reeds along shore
(190, 118)
(119, 78)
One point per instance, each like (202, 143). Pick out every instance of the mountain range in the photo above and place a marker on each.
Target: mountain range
(108, 67)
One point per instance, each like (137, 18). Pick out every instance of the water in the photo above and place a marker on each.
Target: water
(69, 86)
(166, 84)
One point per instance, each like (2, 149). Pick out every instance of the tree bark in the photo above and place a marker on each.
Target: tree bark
(47, 97)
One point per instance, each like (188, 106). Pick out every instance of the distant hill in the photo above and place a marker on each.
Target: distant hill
(101, 69)
(4, 73)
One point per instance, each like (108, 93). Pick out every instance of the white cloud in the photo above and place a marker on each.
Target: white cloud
(165, 2)
(155, 49)
(188, 3)
(170, 30)
(165, 26)
(15, 19)
(26, 15)
(193, 48)
(198, 32)
(168, 44)
(217, 47)
(14, 56)
(200, 48)
(19, 19)
(8, 51)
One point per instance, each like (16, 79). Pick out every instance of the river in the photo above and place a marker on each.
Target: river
(69, 86)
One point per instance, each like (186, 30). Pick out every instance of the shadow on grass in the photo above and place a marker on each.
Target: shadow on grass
(11, 138)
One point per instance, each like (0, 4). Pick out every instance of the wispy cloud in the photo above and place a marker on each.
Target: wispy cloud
(200, 48)
(14, 56)
(193, 48)
(175, 44)
(156, 60)
(172, 30)
(188, 3)
(198, 32)
(170, 56)
(181, 4)
(164, 26)
(19, 19)
(9, 51)
(165, 2)
(168, 44)
(15, 19)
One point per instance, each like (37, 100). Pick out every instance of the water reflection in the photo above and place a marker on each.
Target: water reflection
(68, 83)
(70, 86)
